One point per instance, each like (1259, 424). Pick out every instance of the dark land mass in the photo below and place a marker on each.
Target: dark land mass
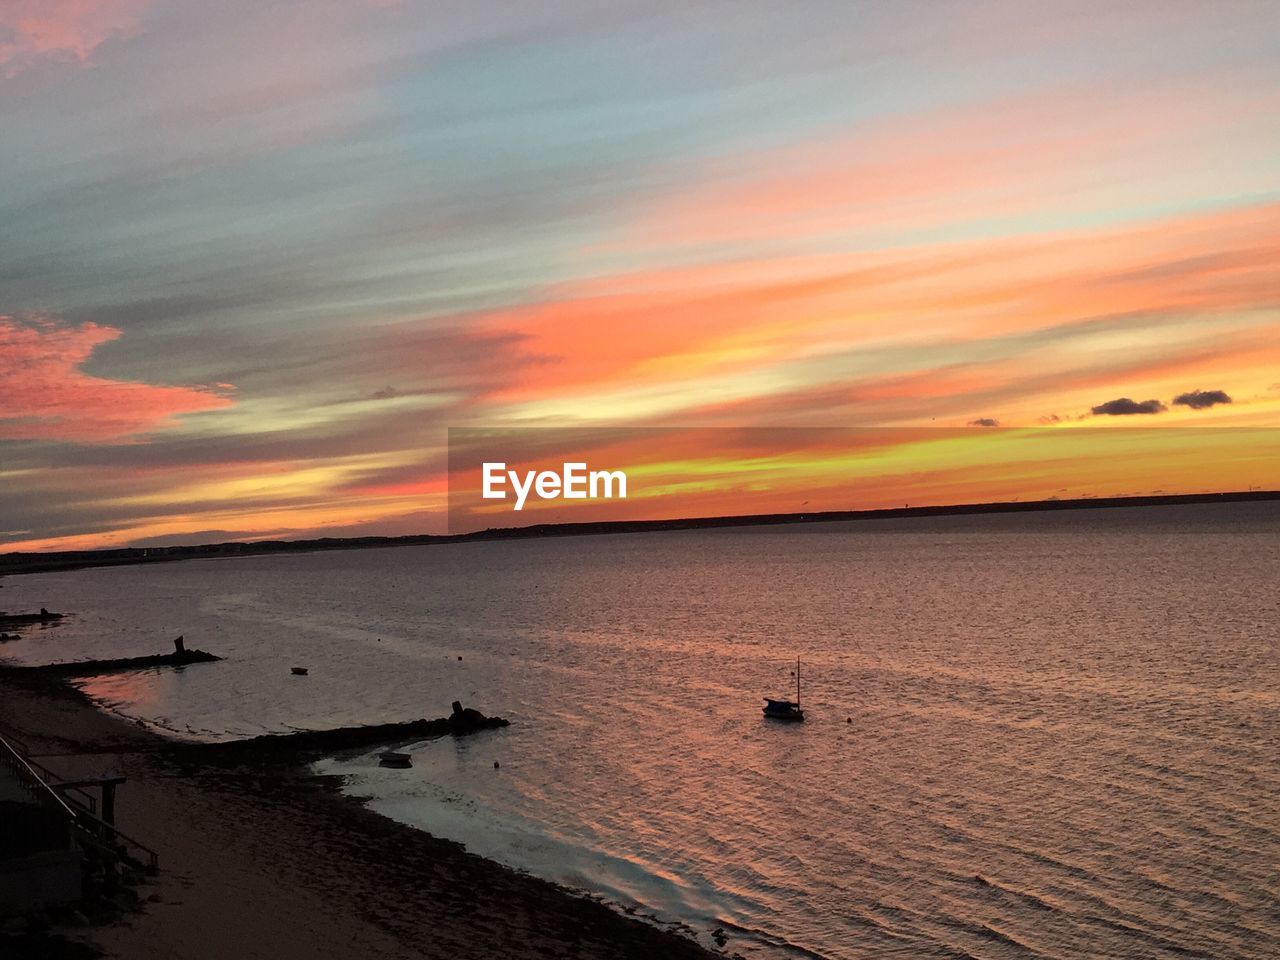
(93, 668)
(27, 619)
(14, 563)
(260, 859)
(316, 743)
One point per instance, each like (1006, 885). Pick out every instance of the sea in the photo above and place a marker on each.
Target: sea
(1047, 735)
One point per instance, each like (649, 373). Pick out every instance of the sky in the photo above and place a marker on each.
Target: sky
(257, 257)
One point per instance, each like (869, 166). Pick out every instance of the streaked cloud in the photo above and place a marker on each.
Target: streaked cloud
(378, 220)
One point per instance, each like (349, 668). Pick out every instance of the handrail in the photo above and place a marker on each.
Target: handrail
(32, 781)
(97, 823)
(84, 798)
(22, 748)
(7, 733)
(96, 829)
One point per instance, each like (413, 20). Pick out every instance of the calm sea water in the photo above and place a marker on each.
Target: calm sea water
(1031, 736)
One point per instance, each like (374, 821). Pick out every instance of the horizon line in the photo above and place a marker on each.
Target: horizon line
(48, 561)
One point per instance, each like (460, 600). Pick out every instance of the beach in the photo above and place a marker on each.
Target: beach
(259, 858)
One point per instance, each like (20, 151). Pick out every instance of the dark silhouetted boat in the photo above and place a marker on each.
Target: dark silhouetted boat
(785, 709)
(393, 758)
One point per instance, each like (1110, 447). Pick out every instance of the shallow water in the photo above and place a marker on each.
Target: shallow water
(1048, 735)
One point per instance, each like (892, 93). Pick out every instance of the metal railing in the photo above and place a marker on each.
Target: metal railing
(89, 827)
(20, 746)
(83, 798)
(31, 782)
(106, 836)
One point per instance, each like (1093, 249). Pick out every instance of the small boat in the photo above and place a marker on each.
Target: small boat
(393, 758)
(298, 671)
(785, 709)
(782, 710)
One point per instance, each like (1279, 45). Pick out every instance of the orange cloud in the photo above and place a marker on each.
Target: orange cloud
(44, 395)
(30, 29)
(806, 321)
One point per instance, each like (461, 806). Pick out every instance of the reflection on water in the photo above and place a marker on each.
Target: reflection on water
(1051, 735)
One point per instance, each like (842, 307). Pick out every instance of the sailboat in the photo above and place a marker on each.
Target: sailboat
(785, 709)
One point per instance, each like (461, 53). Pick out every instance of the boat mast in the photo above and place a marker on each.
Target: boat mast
(797, 682)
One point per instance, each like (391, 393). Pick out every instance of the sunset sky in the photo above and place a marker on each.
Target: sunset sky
(257, 256)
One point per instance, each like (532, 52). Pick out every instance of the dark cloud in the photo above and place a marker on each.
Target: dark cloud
(1124, 407)
(1051, 418)
(1201, 399)
(984, 422)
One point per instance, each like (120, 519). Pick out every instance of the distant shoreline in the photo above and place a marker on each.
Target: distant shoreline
(19, 563)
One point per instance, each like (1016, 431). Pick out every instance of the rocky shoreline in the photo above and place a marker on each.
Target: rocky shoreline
(261, 858)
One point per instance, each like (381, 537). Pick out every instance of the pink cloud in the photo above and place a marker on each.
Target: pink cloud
(30, 29)
(1030, 154)
(44, 395)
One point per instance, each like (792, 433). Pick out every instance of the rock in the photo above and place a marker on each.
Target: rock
(465, 720)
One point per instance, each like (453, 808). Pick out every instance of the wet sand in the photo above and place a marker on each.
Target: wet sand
(260, 859)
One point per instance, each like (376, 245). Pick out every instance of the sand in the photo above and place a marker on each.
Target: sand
(259, 859)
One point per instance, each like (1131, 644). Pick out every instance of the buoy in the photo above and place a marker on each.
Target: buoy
(459, 658)
(848, 719)
(495, 764)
